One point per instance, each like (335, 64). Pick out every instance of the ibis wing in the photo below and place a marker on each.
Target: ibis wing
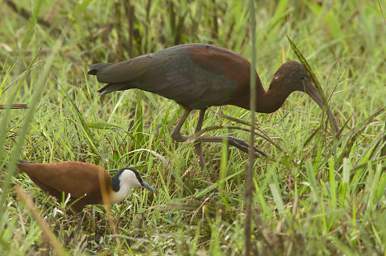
(194, 75)
(222, 62)
(122, 72)
(175, 73)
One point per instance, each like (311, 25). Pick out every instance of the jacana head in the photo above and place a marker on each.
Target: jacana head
(130, 177)
(125, 180)
(293, 76)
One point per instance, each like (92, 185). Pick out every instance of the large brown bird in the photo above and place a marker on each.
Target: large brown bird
(198, 76)
(83, 181)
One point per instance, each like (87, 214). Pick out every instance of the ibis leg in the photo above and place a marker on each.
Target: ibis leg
(241, 145)
(198, 145)
(176, 135)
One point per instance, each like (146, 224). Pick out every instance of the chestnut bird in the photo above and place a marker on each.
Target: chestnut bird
(83, 181)
(198, 76)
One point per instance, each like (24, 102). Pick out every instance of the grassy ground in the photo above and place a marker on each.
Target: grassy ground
(321, 196)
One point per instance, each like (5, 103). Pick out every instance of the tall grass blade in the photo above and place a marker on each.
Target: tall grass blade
(251, 156)
(86, 130)
(17, 149)
(317, 85)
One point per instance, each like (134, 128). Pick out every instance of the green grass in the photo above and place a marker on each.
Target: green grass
(320, 195)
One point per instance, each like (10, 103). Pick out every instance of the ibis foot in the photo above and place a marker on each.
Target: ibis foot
(198, 145)
(237, 143)
(199, 153)
(176, 135)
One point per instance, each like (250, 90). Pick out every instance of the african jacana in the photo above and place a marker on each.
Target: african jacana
(83, 181)
(198, 76)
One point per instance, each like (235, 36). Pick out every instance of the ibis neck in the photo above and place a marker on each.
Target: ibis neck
(266, 101)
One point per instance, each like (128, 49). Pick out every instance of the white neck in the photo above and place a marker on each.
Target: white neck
(127, 181)
(120, 195)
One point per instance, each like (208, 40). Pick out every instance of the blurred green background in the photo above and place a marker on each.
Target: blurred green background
(322, 196)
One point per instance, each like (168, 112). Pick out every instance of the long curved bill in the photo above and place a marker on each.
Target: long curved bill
(148, 186)
(315, 95)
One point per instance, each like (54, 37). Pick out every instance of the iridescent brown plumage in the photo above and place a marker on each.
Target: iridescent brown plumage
(198, 76)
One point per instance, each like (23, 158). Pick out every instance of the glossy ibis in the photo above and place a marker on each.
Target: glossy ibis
(83, 181)
(198, 76)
